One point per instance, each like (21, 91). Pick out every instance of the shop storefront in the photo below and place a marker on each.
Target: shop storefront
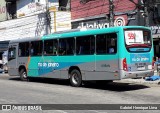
(156, 40)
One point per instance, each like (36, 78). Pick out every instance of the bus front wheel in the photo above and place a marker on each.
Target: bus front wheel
(75, 78)
(23, 75)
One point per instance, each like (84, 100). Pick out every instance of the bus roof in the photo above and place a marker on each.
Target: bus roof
(78, 32)
(27, 39)
(83, 32)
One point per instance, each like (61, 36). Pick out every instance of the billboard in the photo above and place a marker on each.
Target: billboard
(2, 10)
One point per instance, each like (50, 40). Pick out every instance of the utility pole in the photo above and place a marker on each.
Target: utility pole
(111, 12)
(146, 6)
(48, 28)
(143, 6)
(143, 9)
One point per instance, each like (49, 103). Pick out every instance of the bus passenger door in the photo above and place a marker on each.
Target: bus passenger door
(12, 60)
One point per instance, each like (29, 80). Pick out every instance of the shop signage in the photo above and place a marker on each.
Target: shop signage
(91, 23)
(119, 21)
(2, 10)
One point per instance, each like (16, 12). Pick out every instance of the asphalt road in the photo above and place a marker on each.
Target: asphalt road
(50, 91)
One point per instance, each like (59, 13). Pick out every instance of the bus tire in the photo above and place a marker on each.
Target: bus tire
(23, 75)
(75, 78)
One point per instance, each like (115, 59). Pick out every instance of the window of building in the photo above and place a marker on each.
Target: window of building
(50, 47)
(64, 5)
(11, 9)
(66, 46)
(85, 45)
(36, 48)
(23, 49)
(106, 43)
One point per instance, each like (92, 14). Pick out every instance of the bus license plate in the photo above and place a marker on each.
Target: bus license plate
(140, 67)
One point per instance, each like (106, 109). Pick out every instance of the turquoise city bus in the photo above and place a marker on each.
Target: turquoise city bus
(82, 55)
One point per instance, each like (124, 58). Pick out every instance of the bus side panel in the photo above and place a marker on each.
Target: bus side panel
(13, 70)
(43, 66)
(106, 68)
(33, 66)
(58, 66)
(53, 74)
(23, 62)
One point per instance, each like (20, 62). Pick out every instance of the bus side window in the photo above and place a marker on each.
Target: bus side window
(81, 50)
(106, 43)
(36, 48)
(70, 46)
(19, 52)
(67, 46)
(23, 49)
(32, 50)
(112, 43)
(62, 47)
(85, 45)
(55, 47)
(101, 44)
(111, 50)
(50, 47)
(12, 53)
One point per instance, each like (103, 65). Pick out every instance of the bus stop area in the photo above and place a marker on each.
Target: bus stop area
(152, 80)
(141, 81)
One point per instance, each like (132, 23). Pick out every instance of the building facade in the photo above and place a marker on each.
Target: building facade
(92, 10)
(2, 10)
(33, 18)
(107, 13)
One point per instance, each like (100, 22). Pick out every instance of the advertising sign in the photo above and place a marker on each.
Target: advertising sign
(53, 3)
(120, 20)
(136, 58)
(96, 23)
(134, 37)
(2, 10)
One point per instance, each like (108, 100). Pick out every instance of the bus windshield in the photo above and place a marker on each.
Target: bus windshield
(138, 40)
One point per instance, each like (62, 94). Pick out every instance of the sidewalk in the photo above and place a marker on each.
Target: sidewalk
(141, 81)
